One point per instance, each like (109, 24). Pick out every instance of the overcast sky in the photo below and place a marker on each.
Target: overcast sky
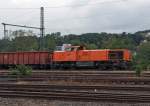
(78, 16)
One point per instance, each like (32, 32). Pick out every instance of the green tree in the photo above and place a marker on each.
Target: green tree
(50, 42)
(75, 42)
(91, 46)
(118, 43)
(6, 45)
(25, 43)
(143, 55)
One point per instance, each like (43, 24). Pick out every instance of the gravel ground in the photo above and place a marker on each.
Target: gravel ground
(42, 102)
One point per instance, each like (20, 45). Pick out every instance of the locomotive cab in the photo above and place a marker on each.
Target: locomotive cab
(119, 58)
(75, 48)
(116, 55)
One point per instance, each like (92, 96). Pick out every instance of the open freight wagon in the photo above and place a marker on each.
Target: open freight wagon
(35, 59)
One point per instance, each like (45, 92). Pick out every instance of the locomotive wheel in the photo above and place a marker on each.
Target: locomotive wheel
(101, 67)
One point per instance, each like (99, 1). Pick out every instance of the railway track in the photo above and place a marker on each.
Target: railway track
(81, 96)
(87, 71)
(82, 72)
(95, 79)
(48, 87)
(82, 93)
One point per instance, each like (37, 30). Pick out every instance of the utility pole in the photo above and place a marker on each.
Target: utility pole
(42, 29)
(4, 29)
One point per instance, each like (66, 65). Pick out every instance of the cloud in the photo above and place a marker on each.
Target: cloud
(79, 16)
(127, 16)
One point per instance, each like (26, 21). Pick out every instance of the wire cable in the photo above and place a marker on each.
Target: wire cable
(81, 5)
(67, 6)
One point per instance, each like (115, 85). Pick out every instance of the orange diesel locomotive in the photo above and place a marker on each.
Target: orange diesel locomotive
(78, 56)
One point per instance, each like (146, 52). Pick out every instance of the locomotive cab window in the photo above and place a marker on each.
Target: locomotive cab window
(68, 49)
(75, 48)
(71, 49)
(81, 48)
(116, 55)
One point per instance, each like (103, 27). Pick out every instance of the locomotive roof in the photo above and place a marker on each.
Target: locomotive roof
(101, 50)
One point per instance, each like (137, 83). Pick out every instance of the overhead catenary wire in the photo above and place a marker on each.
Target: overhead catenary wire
(90, 4)
(66, 6)
(19, 8)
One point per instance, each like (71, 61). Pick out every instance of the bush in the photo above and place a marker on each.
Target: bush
(21, 70)
(138, 70)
